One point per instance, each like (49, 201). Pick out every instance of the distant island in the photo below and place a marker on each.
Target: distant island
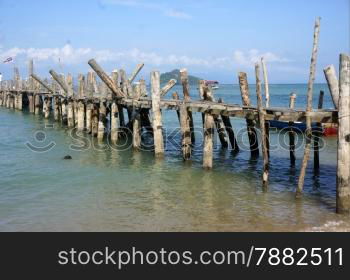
(175, 74)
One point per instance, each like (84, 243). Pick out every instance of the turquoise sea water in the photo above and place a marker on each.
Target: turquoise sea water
(108, 189)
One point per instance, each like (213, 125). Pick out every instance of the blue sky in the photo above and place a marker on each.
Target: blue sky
(212, 39)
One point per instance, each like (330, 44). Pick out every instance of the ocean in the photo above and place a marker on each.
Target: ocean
(106, 188)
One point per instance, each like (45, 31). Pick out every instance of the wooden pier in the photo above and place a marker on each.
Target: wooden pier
(93, 103)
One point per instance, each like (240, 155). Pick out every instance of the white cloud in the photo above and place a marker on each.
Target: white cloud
(159, 7)
(68, 55)
(177, 14)
(252, 56)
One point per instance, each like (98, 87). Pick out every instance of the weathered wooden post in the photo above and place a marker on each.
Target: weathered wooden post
(230, 132)
(266, 83)
(81, 115)
(253, 139)
(185, 131)
(31, 86)
(343, 164)
(136, 139)
(317, 135)
(209, 127)
(106, 79)
(94, 119)
(333, 85)
(81, 87)
(186, 93)
(102, 120)
(167, 87)
(89, 109)
(262, 127)
(37, 101)
(114, 122)
(70, 113)
(291, 132)
(135, 73)
(56, 112)
(309, 109)
(157, 114)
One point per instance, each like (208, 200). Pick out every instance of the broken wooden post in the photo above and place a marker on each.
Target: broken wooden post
(136, 125)
(291, 132)
(94, 119)
(114, 122)
(81, 86)
(69, 82)
(317, 135)
(61, 82)
(167, 87)
(46, 107)
(70, 113)
(185, 131)
(46, 86)
(343, 164)
(209, 96)
(37, 102)
(81, 115)
(186, 93)
(333, 85)
(229, 129)
(106, 79)
(266, 83)
(89, 108)
(135, 73)
(157, 114)
(209, 127)
(64, 106)
(102, 120)
(309, 109)
(253, 139)
(56, 112)
(262, 127)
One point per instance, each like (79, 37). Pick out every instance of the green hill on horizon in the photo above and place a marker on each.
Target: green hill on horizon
(175, 74)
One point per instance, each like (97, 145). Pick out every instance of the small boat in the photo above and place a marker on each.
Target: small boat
(213, 84)
(325, 129)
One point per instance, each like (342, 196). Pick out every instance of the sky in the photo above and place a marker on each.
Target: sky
(212, 39)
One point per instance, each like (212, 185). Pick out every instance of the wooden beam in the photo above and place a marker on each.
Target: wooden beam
(157, 114)
(106, 79)
(333, 85)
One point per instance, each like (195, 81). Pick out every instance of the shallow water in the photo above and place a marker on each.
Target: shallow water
(107, 189)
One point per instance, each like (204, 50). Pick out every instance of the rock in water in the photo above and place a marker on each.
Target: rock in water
(67, 157)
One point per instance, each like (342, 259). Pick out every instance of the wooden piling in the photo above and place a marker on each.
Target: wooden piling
(157, 114)
(102, 120)
(114, 122)
(291, 132)
(167, 87)
(317, 135)
(333, 85)
(229, 129)
(89, 109)
(343, 161)
(253, 139)
(266, 83)
(37, 102)
(81, 115)
(309, 109)
(185, 132)
(56, 112)
(136, 135)
(94, 119)
(187, 98)
(70, 113)
(262, 127)
(209, 127)
(135, 73)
